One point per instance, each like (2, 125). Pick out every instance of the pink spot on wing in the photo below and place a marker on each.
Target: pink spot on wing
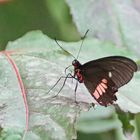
(99, 90)
(104, 81)
(96, 94)
(102, 88)
(104, 85)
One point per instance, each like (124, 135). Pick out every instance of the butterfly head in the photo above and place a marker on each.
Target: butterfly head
(76, 63)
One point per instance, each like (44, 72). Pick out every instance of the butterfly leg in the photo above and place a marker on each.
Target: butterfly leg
(56, 83)
(76, 86)
(69, 75)
(64, 83)
(67, 68)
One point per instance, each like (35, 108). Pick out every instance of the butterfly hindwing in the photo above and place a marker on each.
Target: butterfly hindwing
(101, 87)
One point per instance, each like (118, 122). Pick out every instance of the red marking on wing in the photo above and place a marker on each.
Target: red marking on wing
(79, 76)
(100, 89)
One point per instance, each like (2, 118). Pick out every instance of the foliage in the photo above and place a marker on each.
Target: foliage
(39, 61)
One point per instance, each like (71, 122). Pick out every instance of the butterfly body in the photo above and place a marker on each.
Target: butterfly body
(103, 77)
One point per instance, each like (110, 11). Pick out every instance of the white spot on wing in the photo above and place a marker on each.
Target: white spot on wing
(109, 74)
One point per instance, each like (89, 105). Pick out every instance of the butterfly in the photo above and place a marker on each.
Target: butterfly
(103, 77)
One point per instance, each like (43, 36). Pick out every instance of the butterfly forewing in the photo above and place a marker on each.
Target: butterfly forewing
(120, 68)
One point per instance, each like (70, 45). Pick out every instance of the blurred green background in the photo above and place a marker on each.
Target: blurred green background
(54, 18)
(17, 17)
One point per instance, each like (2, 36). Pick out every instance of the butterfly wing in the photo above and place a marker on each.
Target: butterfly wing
(104, 76)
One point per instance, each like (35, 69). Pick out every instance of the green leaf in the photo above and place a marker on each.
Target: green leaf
(125, 119)
(12, 109)
(114, 21)
(137, 119)
(127, 101)
(41, 62)
(97, 120)
(38, 62)
(50, 16)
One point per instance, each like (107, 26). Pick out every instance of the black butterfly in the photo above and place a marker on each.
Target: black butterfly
(103, 77)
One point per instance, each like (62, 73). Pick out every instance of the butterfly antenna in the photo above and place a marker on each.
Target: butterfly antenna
(64, 49)
(83, 38)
